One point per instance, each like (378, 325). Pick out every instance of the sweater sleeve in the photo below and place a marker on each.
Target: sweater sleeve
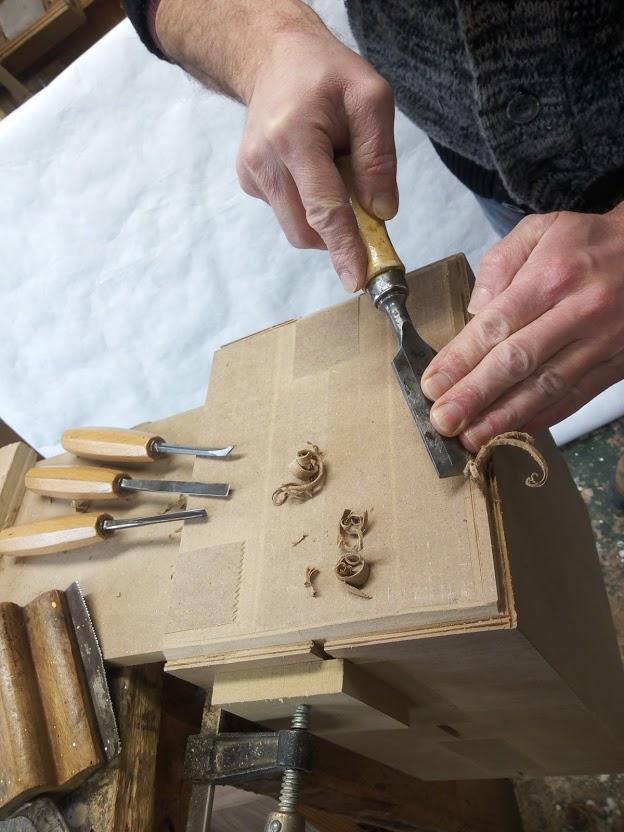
(142, 14)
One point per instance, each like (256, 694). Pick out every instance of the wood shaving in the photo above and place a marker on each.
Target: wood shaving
(309, 469)
(310, 575)
(352, 568)
(301, 539)
(476, 467)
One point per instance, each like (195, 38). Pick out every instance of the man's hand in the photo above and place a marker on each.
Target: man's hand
(308, 97)
(547, 333)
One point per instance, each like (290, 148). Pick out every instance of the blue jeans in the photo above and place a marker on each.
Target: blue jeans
(502, 216)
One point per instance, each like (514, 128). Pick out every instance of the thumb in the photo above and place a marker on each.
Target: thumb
(373, 154)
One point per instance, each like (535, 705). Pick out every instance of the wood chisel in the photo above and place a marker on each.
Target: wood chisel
(92, 483)
(388, 289)
(73, 531)
(128, 446)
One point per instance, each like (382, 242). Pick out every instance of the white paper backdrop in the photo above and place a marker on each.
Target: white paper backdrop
(129, 253)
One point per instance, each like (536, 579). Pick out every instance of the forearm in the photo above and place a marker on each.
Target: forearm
(223, 43)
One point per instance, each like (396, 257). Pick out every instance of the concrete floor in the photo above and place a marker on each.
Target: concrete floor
(588, 804)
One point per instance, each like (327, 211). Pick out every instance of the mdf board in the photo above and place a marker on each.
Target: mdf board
(487, 609)
(327, 379)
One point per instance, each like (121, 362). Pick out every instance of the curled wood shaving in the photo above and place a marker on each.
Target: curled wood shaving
(476, 467)
(309, 469)
(352, 569)
(310, 575)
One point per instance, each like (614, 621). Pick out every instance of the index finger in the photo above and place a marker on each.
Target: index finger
(512, 310)
(329, 213)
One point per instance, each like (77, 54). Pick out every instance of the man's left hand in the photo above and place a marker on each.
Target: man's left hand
(547, 333)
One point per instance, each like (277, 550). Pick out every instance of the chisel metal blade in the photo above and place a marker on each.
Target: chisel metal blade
(199, 489)
(410, 362)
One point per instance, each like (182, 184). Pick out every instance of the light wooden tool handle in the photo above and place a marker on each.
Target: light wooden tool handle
(55, 534)
(380, 251)
(110, 444)
(74, 483)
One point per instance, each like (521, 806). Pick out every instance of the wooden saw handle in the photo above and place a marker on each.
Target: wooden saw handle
(76, 483)
(110, 444)
(56, 534)
(380, 251)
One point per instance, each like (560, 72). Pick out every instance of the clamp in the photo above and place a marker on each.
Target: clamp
(216, 757)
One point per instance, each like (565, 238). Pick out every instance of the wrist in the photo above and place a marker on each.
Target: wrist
(223, 43)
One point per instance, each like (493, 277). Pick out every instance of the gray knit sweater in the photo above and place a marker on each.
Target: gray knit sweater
(533, 89)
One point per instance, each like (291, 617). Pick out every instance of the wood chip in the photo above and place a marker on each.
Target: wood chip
(310, 575)
(309, 469)
(301, 539)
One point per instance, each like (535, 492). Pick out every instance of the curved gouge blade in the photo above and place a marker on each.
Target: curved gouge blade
(167, 448)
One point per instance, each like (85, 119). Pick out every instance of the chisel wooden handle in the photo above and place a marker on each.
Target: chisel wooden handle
(111, 444)
(380, 251)
(76, 483)
(56, 534)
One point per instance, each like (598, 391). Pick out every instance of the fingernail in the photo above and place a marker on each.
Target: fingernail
(480, 297)
(476, 436)
(348, 280)
(436, 385)
(447, 418)
(385, 206)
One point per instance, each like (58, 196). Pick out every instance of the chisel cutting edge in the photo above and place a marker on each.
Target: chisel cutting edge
(90, 483)
(388, 289)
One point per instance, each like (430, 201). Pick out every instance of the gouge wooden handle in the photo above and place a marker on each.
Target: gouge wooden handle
(74, 483)
(109, 444)
(380, 251)
(43, 537)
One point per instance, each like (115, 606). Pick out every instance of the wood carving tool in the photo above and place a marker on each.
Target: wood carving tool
(73, 531)
(388, 289)
(57, 723)
(93, 483)
(128, 446)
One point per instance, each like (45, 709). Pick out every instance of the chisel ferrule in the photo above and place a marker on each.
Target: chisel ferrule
(387, 284)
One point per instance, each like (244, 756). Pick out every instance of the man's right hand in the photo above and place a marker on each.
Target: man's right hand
(309, 98)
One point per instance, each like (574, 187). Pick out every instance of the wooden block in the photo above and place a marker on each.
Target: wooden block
(15, 460)
(342, 696)
(48, 732)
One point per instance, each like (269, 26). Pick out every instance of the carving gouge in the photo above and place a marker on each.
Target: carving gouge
(120, 445)
(73, 531)
(387, 288)
(92, 483)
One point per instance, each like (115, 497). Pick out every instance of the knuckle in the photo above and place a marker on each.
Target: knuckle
(251, 156)
(492, 329)
(495, 259)
(599, 301)
(515, 361)
(551, 383)
(328, 215)
(560, 275)
(379, 92)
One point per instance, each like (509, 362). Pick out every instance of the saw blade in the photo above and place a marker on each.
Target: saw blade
(93, 664)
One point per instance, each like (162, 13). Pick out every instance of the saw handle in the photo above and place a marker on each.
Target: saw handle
(111, 444)
(381, 254)
(76, 483)
(56, 534)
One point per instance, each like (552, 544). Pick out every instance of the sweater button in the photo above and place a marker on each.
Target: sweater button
(523, 108)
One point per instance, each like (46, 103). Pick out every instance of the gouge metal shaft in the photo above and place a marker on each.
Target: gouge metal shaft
(128, 446)
(387, 288)
(73, 531)
(92, 483)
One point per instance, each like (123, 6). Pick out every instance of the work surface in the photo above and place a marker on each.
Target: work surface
(134, 255)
